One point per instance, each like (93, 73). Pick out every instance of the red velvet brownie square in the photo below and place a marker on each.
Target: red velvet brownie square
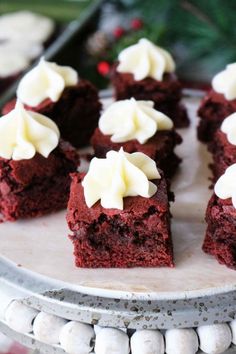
(223, 152)
(36, 186)
(76, 113)
(213, 110)
(166, 94)
(160, 148)
(220, 239)
(137, 236)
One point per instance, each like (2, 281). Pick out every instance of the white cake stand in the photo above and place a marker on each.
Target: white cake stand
(37, 266)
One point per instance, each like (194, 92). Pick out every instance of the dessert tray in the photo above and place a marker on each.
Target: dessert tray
(37, 266)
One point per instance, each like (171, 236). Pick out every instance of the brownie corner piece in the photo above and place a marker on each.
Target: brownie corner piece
(165, 94)
(38, 186)
(213, 109)
(220, 238)
(137, 236)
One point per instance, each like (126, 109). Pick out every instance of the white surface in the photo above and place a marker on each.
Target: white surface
(41, 245)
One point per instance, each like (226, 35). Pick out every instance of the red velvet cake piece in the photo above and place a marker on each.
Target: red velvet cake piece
(136, 126)
(138, 236)
(223, 152)
(34, 165)
(37, 186)
(146, 72)
(160, 148)
(73, 106)
(76, 113)
(166, 94)
(220, 239)
(213, 110)
(219, 103)
(135, 233)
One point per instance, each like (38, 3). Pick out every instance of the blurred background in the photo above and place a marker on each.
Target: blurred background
(89, 34)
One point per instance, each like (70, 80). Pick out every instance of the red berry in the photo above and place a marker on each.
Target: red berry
(136, 23)
(118, 32)
(103, 68)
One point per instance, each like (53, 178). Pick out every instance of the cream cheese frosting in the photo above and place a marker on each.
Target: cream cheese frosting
(225, 187)
(130, 119)
(25, 25)
(46, 80)
(24, 133)
(117, 176)
(16, 56)
(225, 82)
(10, 64)
(229, 128)
(144, 59)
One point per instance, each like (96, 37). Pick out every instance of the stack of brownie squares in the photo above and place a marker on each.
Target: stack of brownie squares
(138, 127)
(217, 128)
(138, 73)
(52, 103)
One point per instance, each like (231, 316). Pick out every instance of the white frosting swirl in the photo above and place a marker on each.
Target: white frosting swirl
(25, 25)
(23, 133)
(16, 56)
(145, 59)
(225, 187)
(117, 176)
(130, 119)
(225, 82)
(46, 80)
(229, 128)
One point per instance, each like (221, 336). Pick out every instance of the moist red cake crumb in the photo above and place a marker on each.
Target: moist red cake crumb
(220, 239)
(76, 113)
(137, 236)
(160, 148)
(213, 110)
(223, 152)
(165, 94)
(36, 186)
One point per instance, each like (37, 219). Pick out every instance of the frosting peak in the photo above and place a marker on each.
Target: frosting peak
(23, 133)
(225, 82)
(130, 119)
(144, 59)
(229, 128)
(225, 187)
(117, 176)
(46, 80)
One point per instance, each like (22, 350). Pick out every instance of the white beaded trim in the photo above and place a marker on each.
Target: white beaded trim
(80, 338)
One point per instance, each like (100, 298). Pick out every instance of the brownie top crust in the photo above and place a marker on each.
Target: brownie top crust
(25, 172)
(162, 141)
(169, 85)
(85, 88)
(137, 205)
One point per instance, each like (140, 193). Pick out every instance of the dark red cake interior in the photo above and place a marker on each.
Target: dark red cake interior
(138, 235)
(220, 239)
(36, 186)
(213, 110)
(160, 148)
(76, 112)
(165, 94)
